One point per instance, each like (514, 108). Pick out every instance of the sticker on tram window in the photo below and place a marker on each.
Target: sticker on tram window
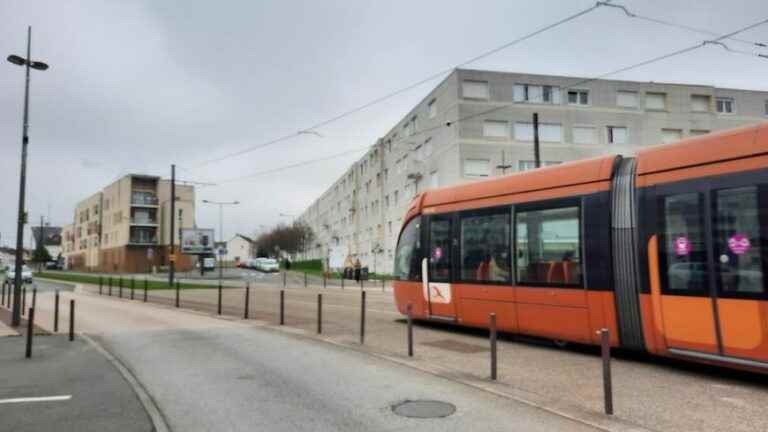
(682, 246)
(739, 244)
(437, 253)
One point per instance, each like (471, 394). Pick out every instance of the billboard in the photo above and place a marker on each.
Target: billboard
(195, 241)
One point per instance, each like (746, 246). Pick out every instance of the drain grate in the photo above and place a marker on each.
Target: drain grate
(456, 346)
(423, 409)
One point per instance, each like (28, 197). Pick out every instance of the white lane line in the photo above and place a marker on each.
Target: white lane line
(36, 399)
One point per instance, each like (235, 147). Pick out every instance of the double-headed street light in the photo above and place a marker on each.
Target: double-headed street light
(221, 205)
(37, 65)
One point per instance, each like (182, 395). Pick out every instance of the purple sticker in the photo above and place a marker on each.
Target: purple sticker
(437, 253)
(682, 246)
(739, 244)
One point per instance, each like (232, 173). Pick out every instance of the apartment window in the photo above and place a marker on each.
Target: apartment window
(698, 132)
(536, 94)
(475, 89)
(527, 165)
(724, 105)
(495, 129)
(656, 101)
(477, 168)
(700, 103)
(578, 97)
(549, 132)
(432, 108)
(584, 135)
(671, 135)
(523, 131)
(617, 135)
(428, 147)
(434, 182)
(626, 99)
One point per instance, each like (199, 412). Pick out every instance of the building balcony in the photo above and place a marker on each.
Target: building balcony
(142, 221)
(144, 200)
(141, 240)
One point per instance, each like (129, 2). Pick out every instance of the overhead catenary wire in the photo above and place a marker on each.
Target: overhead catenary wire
(407, 88)
(449, 123)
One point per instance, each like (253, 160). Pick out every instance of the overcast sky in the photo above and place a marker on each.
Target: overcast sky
(137, 85)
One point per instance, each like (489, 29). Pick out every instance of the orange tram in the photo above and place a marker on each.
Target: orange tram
(668, 250)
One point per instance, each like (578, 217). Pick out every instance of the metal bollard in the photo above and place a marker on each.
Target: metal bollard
(110, 286)
(34, 297)
(120, 287)
(305, 279)
(133, 286)
(56, 313)
(71, 320)
(605, 351)
(409, 317)
(319, 314)
(23, 299)
(219, 308)
(101, 285)
(145, 289)
(282, 307)
(30, 331)
(362, 317)
(178, 288)
(247, 299)
(492, 335)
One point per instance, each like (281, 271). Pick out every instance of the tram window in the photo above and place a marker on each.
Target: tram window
(485, 247)
(408, 252)
(549, 247)
(440, 250)
(683, 256)
(738, 240)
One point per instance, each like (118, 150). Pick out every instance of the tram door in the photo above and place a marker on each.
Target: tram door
(438, 265)
(711, 248)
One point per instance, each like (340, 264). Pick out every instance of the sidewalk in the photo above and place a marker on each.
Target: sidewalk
(65, 386)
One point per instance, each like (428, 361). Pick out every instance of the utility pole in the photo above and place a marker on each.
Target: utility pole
(39, 241)
(221, 230)
(22, 216)
(536, 152)
(504, 166)
(171, 249)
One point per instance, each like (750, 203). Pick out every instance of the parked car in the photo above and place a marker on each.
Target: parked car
(54, 265)
(268, 265)
(26, 274)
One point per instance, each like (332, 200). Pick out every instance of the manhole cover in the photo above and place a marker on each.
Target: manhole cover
(424, 409)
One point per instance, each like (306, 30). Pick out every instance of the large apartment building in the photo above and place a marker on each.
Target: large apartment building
(477, 124)
(126, 226)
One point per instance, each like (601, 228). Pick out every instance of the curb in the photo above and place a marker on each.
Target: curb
(150, 407)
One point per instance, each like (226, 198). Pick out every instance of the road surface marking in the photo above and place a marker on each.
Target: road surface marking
(36, 399)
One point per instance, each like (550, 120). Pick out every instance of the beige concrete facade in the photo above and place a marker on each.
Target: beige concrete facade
(478, 124)
(126, 226)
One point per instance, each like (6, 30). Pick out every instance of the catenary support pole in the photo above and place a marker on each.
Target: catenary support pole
(146, 286)
(178, 288)
(101, 285)
(218, 310)
(282, 307)
(536, 149)
(133, 286)
(110, 286)
(319, 313)
(247, 299)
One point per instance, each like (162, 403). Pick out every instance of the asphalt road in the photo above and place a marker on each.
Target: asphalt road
(245, 378)
(208, 374)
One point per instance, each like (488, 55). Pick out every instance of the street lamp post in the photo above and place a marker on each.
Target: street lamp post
(27, 63)
(221, 205)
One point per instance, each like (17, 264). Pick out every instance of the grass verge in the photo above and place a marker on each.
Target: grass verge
(94, 280)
